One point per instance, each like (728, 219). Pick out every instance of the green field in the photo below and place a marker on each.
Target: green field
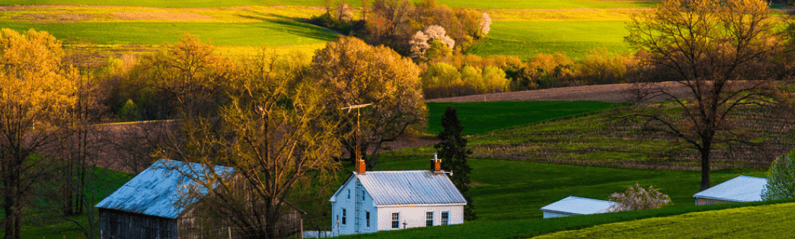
(577, 39)
(768, 221)
(508, 4)
(482, 117)
(152, 33)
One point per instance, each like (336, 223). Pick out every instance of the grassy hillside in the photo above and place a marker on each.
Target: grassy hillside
(575, 38)
(768, 221)
(482, 117)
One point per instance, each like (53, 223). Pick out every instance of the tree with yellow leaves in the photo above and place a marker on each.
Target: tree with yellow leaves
(36, 93)
(356, 73)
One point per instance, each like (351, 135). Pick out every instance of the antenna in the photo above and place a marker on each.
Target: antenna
(358, 114)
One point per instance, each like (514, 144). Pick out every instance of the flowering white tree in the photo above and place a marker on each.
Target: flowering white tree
(419, 42)
(638, 198)
(485, 24)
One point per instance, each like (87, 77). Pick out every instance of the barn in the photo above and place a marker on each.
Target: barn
(572, 206)
(372, 201)
(739, 189)
(145, 207)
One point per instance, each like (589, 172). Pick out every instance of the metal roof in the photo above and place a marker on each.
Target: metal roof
(155, 191)
(409, 187)
(739, 189)
(578, 205)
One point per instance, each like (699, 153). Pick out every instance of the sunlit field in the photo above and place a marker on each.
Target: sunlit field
(576, 39)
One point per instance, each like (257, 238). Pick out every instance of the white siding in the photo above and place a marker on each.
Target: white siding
(414, 216)
(349, 204)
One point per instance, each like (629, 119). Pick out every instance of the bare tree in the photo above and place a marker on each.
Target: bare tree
(275, 134)
(721, 50)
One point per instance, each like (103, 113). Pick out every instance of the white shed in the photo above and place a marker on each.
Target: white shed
(372, 201)
(571, 206)
(739, 189)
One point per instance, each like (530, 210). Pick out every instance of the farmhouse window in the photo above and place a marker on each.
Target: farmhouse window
(363, 193)
(344, 216)
(428, 219)
(395, 220)
(349, 194)
(367, 218)
(445, 217)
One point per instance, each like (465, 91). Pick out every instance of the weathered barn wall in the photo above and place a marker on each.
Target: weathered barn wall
(124, 225)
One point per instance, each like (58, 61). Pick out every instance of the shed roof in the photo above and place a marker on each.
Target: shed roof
(408, 187)
(739, 189)
(155, 191)
(578, 206)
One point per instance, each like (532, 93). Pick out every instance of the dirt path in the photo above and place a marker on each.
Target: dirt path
(614, 93)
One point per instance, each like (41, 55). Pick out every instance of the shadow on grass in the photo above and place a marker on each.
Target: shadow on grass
(295, 26)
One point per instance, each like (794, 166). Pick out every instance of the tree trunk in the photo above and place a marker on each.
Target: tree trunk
(705, 150)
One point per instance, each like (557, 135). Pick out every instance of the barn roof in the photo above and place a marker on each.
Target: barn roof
(408, 187)
(739, 189)
(154, 191)
(578, 206)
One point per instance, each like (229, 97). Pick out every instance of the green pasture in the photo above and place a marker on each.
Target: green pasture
(270, 33)
(767, 221)
(507, 4)
(482, 117)
(577, 39)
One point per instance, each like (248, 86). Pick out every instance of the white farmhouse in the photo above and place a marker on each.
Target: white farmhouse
(372, 201)
(571, 206)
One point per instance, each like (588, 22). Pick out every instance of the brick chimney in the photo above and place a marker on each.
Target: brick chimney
(436, 163)
(360, 166)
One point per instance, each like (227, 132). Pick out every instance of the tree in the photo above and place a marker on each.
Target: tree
(36, 92)
(720, 50)
(453, 152)
(484, 24)
(356, 73)
(275, 133)
(781, 178)
(638, 198)
(190, 76)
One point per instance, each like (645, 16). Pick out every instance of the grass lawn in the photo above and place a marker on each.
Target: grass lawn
(153, 33)
(577, 39)
(482, 117)
(767, 221)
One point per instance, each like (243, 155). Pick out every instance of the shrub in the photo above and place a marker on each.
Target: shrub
(781, 178)
(638, 198)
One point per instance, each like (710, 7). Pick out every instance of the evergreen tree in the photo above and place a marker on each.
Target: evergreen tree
(453, 152)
